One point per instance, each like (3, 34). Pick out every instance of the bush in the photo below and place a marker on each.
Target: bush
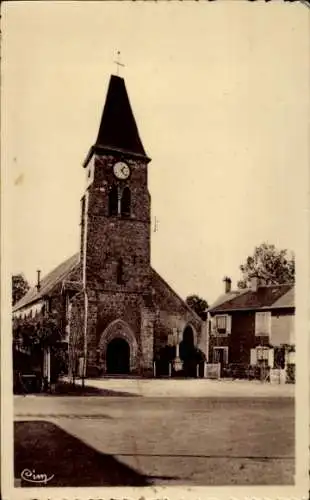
(290, 374)
(238, 371)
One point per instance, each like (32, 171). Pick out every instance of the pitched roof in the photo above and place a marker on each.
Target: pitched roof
(225, 298)
(286, 300)
(155, 276)
(118, 129)
(265, 297)
(48, 282)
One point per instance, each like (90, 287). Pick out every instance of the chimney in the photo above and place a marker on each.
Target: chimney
(227, 282)
(254, 283)
(38, 280)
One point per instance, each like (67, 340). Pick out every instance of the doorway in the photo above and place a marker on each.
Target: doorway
(220, 355)
(188, 353)
(118, 357)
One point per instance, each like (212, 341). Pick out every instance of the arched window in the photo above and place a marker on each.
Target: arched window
(188, 335)
(125, 202)
(119, 272)
(113, 201)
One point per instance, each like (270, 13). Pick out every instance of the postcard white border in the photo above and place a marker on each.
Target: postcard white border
(301, 488)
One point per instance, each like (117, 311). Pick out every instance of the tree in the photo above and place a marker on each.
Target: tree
(198, 305)
(20, 287)
(272, 266)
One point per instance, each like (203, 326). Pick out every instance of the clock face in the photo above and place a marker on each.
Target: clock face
(121, 170)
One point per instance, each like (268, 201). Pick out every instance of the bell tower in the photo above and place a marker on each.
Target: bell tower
(115, 209)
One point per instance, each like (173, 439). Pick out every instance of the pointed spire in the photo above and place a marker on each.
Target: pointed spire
(118, 130)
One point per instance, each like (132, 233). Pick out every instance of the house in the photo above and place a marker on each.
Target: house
(252, 326)
(115, 314)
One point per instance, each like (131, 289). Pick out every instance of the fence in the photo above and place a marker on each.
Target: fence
(193, 370)
(277, 376)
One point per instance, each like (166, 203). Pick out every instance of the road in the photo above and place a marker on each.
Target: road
(136, 440)
(192, 387)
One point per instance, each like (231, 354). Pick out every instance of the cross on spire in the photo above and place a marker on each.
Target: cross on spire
(118, 63)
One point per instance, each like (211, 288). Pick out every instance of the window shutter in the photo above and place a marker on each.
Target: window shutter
(228, 325)
(221, 324)
(213, 326)
(269, 323)
(263, 323)
(253, 357)
(270, 358)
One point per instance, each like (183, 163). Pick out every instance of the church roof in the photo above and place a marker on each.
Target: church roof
(48, 282)
(118, 129)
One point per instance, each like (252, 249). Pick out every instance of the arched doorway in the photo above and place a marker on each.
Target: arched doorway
(188, 336)
(118, 331)
(118, 356)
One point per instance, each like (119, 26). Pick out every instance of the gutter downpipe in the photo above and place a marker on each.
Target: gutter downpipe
(208, 333)
(85, 336)
(85, 289)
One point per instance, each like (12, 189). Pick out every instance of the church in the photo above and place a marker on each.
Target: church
(116, 314)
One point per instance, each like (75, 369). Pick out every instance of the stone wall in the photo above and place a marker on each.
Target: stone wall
(110, 238)
(147, 340)
(76, 333)
(173, 315)
(141, 301)
(128, 308)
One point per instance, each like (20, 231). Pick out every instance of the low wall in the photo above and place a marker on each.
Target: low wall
(213, 370)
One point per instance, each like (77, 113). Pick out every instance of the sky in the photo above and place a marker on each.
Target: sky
(220, 93)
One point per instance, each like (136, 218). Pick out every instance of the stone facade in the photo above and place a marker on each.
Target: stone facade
(137, 306)
(114, 307)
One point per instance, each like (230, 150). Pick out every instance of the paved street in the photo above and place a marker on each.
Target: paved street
(192, 387)
(138, 440)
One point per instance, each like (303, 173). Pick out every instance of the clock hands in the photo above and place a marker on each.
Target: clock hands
(121, 170)
(124, 170)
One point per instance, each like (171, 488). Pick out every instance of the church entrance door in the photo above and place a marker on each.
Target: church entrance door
(118, 357)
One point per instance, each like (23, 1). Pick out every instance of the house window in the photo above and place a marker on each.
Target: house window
(262, 356)
(223, 324)
(262, 353)
(262, 323)
(125, 202)
(113, 200)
